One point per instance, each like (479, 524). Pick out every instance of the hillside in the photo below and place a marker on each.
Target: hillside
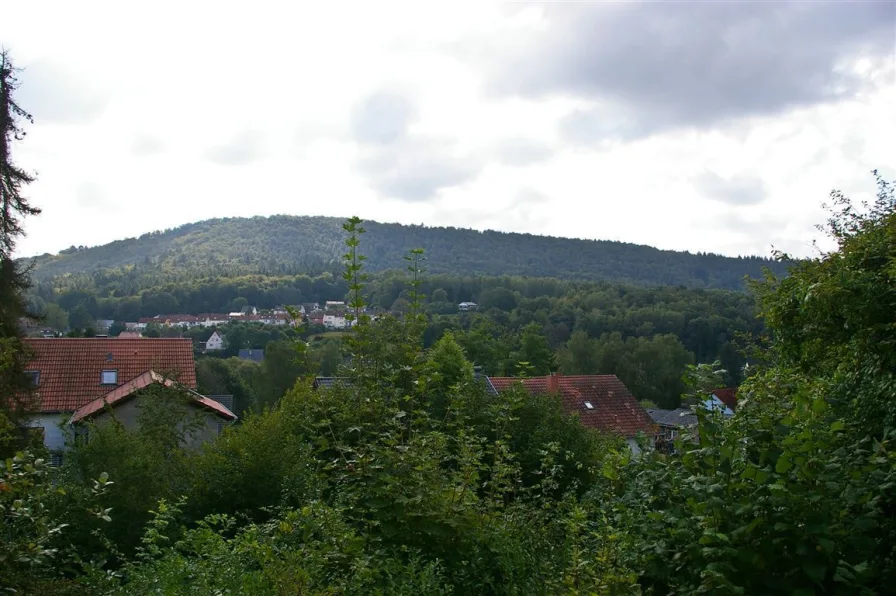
(290, 244)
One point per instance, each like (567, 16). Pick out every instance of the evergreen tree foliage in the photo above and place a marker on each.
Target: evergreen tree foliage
(14, 206)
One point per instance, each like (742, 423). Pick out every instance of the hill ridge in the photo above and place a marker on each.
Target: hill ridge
(289, 244)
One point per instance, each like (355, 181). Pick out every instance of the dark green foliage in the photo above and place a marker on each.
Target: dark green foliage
(794, 495)
(80, 318)
(36, 540)
(534, 350)
(500, 298)
(15, 400)
(836, 315)
(13, 205)
(651, 368)
(231, 376)
(147, 462)
(287, 245)
(283, 365)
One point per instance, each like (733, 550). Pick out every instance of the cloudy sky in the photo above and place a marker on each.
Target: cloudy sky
(702, 126)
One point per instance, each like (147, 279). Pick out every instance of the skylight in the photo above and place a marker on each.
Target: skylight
(588, 405)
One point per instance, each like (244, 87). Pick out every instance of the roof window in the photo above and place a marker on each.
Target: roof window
(109, 377)
(33, 376)
(588, 405)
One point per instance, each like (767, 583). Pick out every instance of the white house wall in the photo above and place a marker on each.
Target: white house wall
(54, 438)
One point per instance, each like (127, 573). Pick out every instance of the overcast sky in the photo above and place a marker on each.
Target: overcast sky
(701, 126)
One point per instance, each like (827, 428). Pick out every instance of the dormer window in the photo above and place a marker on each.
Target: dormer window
(33, 376)
(588, 405)
(109, 377)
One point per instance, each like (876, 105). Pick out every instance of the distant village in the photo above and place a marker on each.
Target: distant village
(332, 315)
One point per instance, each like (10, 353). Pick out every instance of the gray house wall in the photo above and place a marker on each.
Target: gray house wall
(128, 413)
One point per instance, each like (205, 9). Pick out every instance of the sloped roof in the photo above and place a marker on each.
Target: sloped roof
(126, 390)
(486, 381)
(679, 417)
(614, 409)
(329, 381)
(727, 396)
(71, 368)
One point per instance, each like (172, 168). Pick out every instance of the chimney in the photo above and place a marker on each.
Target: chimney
(553, 383)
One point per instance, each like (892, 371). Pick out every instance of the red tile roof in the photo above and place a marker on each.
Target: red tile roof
(122, 392)
(71, 369)
(615, 409)
(727, 396)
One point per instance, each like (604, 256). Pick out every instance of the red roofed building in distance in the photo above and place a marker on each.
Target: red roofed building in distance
(727, 396)
(85, 374)
(602, 402)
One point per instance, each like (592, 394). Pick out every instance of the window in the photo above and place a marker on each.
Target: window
(56, 459)
(110, 377)
(588, 405)
(34, 376)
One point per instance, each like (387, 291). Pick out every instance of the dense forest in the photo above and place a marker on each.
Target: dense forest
(408, 478)
(646, 336)
(289, 245)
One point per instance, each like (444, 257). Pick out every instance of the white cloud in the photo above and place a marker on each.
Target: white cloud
(152, 116)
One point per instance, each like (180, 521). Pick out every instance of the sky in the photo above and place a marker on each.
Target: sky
(701, 126)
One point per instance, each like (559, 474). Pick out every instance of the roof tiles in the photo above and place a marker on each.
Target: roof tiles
(727, 396)
(613, 408)
(71, 368)
(126, 390)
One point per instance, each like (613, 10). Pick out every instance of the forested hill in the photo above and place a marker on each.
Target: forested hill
(290, 244)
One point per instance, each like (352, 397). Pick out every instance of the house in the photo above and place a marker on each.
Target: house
(334, 305)
(251, 354)
(722, 400)
(127, 399)
(246, 311)
(316, 318)
(334, 322)
(103, 325)
(467, 306)
(70, 374)
(310, 307)
(215, 342)
(185, 321)
(129, 335)
(210, 319)
(602, 402)
(273, 319)
(672, 422)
